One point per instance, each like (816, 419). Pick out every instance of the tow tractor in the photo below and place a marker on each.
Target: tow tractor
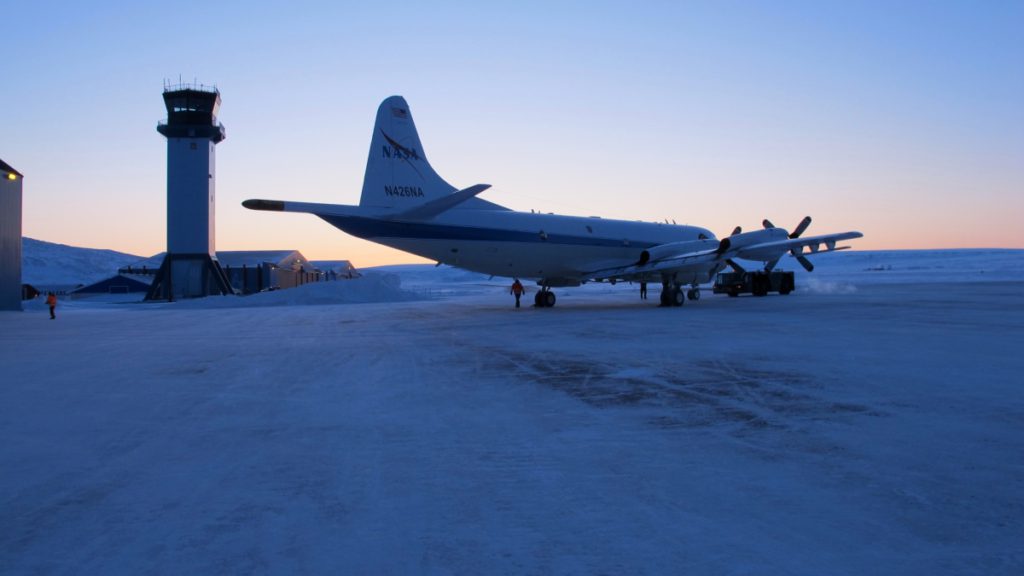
(758, 283)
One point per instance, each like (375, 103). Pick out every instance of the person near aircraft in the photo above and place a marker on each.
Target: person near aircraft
(517, 290)
(643, 290)
(51, 301)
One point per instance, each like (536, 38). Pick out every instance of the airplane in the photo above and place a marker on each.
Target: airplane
(406, 205)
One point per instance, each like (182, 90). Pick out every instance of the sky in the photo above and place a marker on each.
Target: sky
(904, 121)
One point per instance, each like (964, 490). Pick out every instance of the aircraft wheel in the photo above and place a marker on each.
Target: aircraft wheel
(666, 297)
(549, 298)
(693, 294)
(678, 298)
(538, 299)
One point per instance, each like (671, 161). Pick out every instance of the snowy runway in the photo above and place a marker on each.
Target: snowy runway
(872, 430)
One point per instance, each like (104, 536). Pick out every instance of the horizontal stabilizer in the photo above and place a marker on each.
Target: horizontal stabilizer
(271, 205)
(439, 205)
(305, 207)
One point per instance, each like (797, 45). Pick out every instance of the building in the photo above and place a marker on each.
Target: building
(40, 288)
(249, 271)
(119, 284)
(190, 268)
(337, 269)
(10, 237)
(254, 271)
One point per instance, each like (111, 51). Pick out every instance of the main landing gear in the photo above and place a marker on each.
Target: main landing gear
(673, 295)
(545, 298)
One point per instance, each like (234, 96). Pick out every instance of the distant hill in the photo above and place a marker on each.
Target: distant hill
(46, 263)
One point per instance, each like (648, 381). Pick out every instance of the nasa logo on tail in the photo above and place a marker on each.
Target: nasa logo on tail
(396, 150)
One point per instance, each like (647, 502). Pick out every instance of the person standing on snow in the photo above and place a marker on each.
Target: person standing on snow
(51, 301)
(517, 290)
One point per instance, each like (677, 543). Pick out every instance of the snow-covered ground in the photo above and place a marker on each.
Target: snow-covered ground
(870, 423)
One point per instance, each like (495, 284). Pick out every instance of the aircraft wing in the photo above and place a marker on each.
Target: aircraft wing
(697, 261)
(702, 262)
(774, 249)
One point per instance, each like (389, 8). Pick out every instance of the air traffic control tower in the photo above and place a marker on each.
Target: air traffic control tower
(190, 268)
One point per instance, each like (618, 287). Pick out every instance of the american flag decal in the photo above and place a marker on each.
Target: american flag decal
(400, 113)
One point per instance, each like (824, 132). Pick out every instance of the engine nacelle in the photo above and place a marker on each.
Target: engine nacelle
(661, 251)
(740, 242)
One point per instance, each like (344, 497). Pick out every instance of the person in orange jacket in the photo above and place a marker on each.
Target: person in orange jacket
(51, 301)
(517, 290)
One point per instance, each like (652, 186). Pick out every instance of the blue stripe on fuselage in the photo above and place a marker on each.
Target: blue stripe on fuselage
(370, 228)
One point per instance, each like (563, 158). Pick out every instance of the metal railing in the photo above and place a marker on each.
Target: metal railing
(170, 87)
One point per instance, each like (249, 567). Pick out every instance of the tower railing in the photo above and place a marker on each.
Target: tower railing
(169, 87)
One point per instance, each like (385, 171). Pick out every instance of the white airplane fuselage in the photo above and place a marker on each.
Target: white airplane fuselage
(406, 205)
(518, 244)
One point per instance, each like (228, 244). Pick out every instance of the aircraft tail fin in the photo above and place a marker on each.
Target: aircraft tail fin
(398, 175)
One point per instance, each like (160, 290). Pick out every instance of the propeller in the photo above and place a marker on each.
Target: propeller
(724, 245)
(796, 234)
(796, 231)
(800, 228)
(803, 261)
